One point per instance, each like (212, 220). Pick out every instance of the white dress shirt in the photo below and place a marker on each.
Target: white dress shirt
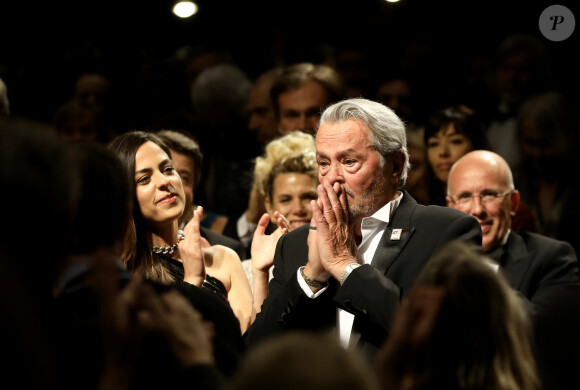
(245, 230)
(372, 229)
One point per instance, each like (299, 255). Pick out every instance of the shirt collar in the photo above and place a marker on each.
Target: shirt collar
(385, 213)
(505, 238)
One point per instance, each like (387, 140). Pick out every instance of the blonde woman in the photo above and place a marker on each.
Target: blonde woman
(285, 177)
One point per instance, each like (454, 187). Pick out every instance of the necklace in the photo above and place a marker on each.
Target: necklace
(169, 250)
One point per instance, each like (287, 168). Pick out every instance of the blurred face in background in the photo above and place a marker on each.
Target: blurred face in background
(396, 94)
(262, 121)
(300, 108)
(544, 153)
(185, 167)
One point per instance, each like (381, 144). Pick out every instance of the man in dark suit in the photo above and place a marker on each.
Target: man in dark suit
(481, 184)
(367, 240)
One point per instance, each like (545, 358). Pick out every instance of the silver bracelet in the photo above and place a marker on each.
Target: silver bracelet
(349, 268)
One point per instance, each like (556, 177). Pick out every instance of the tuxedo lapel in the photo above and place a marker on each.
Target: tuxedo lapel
(396, 234)
(514, 258)
(388, 249)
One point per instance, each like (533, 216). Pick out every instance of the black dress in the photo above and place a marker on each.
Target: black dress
(211, 300)
(210, 283)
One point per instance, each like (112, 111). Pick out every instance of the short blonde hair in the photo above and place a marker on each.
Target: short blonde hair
(294, 152)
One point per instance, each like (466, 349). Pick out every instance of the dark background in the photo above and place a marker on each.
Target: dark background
(44, 44)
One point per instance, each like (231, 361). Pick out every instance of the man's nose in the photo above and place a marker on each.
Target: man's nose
(298, 207)
(303, 123)
(335, 174)
(477, 208)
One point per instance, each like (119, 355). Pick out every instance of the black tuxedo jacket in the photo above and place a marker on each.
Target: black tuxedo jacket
(371, 292)
(533, 264)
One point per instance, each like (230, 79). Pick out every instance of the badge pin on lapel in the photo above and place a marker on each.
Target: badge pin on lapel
(396, 234)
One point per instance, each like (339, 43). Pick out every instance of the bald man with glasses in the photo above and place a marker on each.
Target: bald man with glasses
(481, 184)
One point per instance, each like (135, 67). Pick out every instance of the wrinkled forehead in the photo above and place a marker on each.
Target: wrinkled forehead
(347, 133)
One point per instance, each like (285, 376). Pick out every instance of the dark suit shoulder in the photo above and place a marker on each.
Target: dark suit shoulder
(536, 240)
(293, 248)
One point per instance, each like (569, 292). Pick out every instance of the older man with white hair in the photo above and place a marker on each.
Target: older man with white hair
(368, 237)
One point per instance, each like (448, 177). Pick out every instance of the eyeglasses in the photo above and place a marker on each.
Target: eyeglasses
(486, 197)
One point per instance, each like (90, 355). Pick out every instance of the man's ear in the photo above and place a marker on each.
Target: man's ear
(449, 201)
(398, 160)
(514, 202)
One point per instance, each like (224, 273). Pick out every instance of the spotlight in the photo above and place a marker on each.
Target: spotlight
(184, 9)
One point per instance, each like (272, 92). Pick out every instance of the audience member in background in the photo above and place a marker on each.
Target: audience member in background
(197, 58)
(417, 184)
(462, 327)
(290, 153)
(548, 140)
(368, 238)
(302, 361)
(262, 121)
(481, 184)
(157, 247)
(354, 64)
(301, 93)
(219, 97)
(286, 177)
(94, 89)
(187, 160)
(449, 134)
(75, 122)
(396, 93)
(521, 69)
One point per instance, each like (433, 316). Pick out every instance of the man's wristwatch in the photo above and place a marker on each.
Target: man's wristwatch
(349, 268)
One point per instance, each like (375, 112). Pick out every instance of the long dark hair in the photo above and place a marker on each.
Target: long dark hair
(137, 253)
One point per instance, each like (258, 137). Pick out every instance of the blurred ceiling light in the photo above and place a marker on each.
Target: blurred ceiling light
(392, 1)
(184, 9)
